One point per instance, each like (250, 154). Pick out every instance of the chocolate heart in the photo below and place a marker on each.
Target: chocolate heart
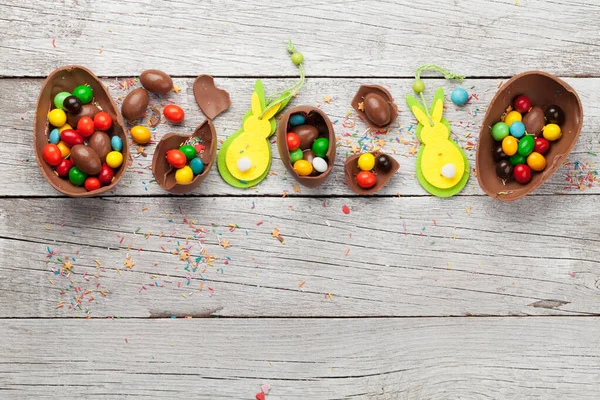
(211, 100)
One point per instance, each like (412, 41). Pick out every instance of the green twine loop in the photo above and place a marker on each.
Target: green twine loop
(436, 68)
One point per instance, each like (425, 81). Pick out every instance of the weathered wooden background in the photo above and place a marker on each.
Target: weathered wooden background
(406, 297)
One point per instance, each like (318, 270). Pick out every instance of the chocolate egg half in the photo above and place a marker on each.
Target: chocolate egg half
(135, 104)
(156, 81)
(385, 168)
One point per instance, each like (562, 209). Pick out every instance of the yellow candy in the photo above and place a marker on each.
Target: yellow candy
(64, 149)
(64, 127)
(366, 162)
(511, 117)
(114, 159)
(57, 117)
(140, 134)
(536, 161)
(552, 132)
(184, 175)
(303, 167)
(510, 145)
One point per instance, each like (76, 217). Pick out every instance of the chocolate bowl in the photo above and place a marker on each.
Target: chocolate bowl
(543, 90)
(351, 169)
(165, 174)
(65, 79)
(314, 117)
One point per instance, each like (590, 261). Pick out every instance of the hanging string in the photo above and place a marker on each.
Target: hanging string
(436, 68)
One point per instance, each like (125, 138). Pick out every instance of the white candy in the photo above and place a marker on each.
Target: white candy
(319, 164)
(244, 164)
(448, 171)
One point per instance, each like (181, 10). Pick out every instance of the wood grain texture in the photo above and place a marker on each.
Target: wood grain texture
(388, 257)
(413, 359)
(20, 175)
(247, 38)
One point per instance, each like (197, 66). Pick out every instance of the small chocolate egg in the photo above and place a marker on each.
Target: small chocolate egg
(101, 144)
(383, 163)
(554, 115)
(156, 81)
(504, 169)
(86, 159)
(308, 156)
(135, 104)
(498, 153)
(307, 134)
(534, 121)
(87, 110)
(377, 109)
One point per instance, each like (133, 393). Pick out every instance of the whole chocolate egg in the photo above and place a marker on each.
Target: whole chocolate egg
(87, 110)
(377, 109)
(534, 121)
(135, 104)
(156, 81)
(100, 142)
(86, 159)
(307, 134)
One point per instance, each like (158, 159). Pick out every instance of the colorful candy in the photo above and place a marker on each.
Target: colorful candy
(57, 117)
(293, 141)
(499, 131)
(296, 155)
(140, 134)
(366, 179)
(63, 168)
(54, 136)
(197, 166)
(517, 159)
(72, 104)
(541, 145)
(116, 143)
(459, 96)
(504, 169)
(106, 174)
(383, 163)
(176, 158)
(114, 159)
(552, 132)
(92, 183)
(173, 113)
(103, 121)
(189, 151)
(184, 175)
(320, 147)
(366, 162)
(510, 145)
(517, 129)
(498, 153)
(52, 154)
(319, 164)
(536, 161)
(64, 127)
(512, 117)
(303, 167)
(60, 98)
(71, 137)
(64, 149)
(554, 115)
(526, 145)
(85, 126)
(297, 119)
(76, 176)
(83, 93)
(522, 173)
(522, 104)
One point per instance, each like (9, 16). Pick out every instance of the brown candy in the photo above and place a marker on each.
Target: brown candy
(375, 105)
(100, 143)
(135, 104)
(307, 135)
(66, 79)
(86, 159)
(211, 100)
(542, 89)
(319, 120)
(165, 174)
(534, 121)
(156, 81)
(87, 110)
(384, 174)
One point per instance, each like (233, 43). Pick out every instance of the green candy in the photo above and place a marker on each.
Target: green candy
(517, 159)
(526, 145)
(189, 151)
(500, 131)
(296, 155)
(77, 176)
(320, 147)
(83, 93)
(60, 98)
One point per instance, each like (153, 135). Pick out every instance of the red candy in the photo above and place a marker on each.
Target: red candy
(85, 126)
(522, 173)
(176, 158)
(103, 121)
(173, 113)
(92, 183)
(71, 137)
(63, 168)
(541, 145)
(522, 104)
(366, 179)
(293, 141)
(106, 174)
(52, 154)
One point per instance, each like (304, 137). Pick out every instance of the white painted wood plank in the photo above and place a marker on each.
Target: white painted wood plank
(388, 257)
(423, 358)
(20, 176)
(247, 38)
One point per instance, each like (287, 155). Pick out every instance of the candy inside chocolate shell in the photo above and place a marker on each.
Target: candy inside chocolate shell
(383, 175)
(375, 105)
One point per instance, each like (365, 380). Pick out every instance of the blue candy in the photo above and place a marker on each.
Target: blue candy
(116, 143)
(297, 119)
(517, 129)
(197, 166)
(54, 136)
(459, 96)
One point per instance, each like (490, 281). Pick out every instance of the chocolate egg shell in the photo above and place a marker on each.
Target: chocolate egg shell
(86, 159)
(318, 119)
(307, 135)
(66, 79)
(100, 143)
(543, 89)
(156, 81)
(534, 121)
(162, 171)
(135, 104)
(87, 110)
(211, 100)
(351, 169)
(375, 105)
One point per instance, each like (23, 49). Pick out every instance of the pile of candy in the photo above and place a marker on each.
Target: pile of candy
(87, 155)
(308, 151)
(523, 138)
(367, 163)
(185, 159)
